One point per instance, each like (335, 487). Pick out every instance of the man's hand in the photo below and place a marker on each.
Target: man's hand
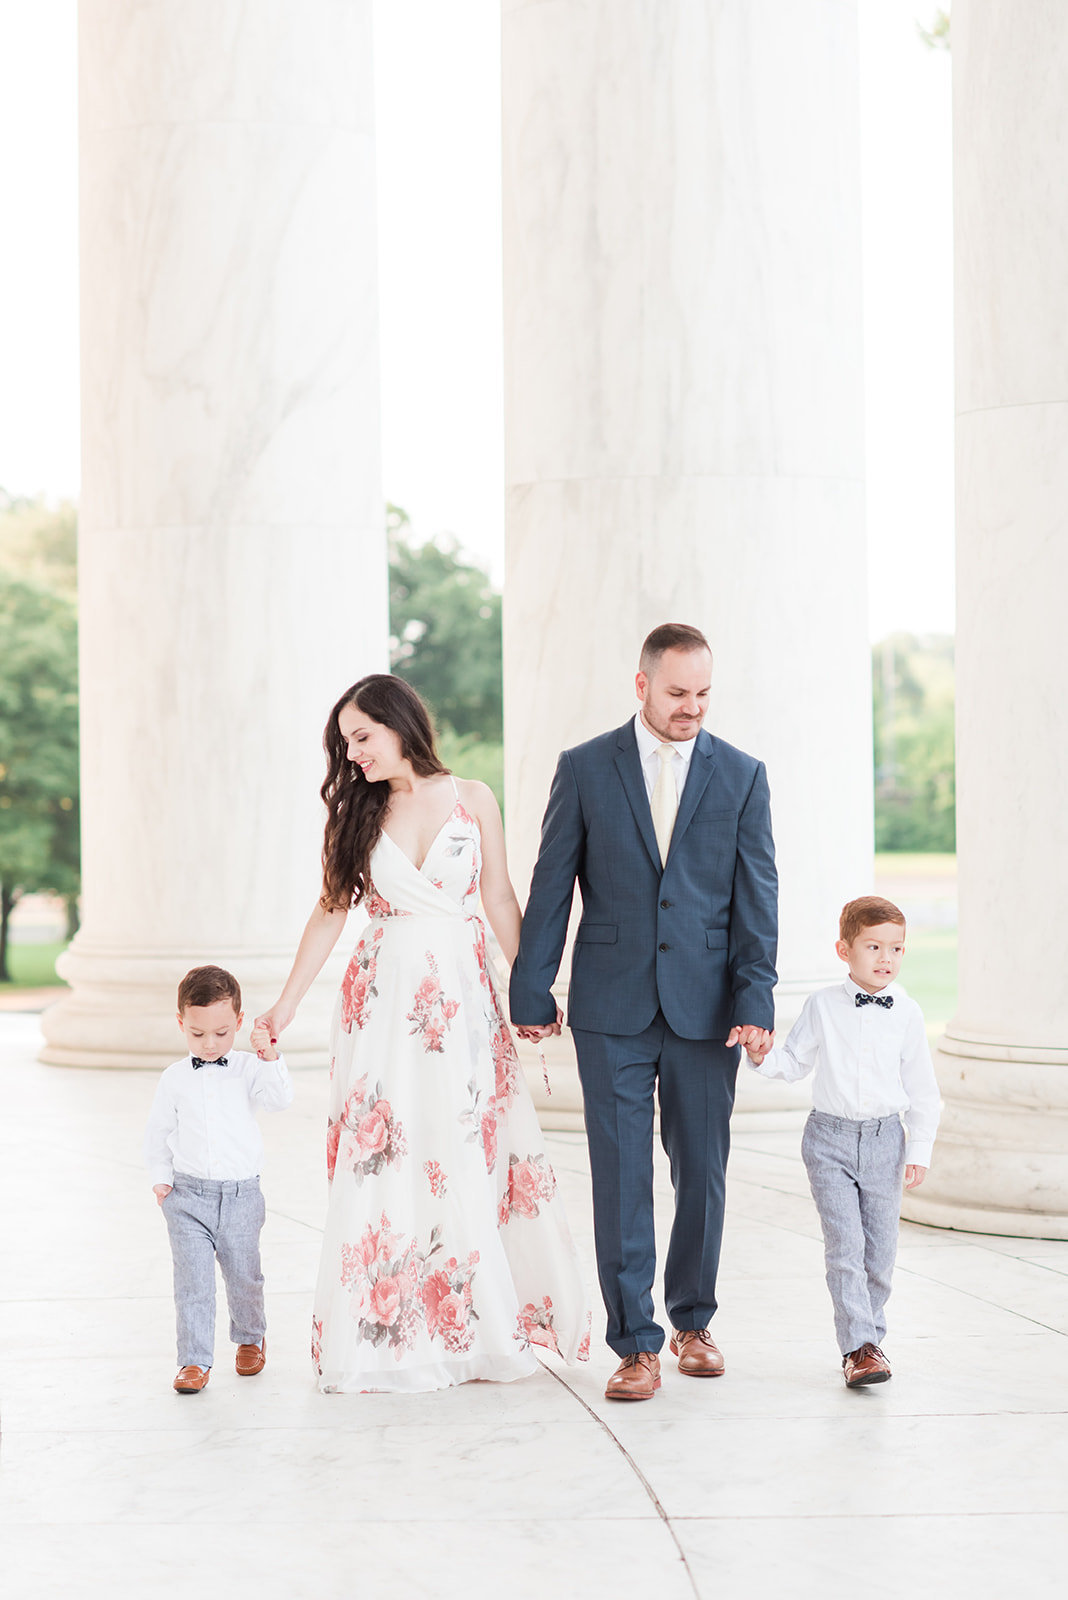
(161, 1191)
(263, 1044)
(914, 1176)
(543, 1030)
(756, 1042)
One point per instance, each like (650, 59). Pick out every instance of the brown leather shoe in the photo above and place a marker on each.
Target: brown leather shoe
(636, 1378)
(192, 1379)
(250, 1359)
(866, 1365)
(698, 1356)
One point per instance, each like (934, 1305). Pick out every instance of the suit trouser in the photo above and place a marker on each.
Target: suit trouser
(209, 1218)
(855, 1171)
(694, 1079)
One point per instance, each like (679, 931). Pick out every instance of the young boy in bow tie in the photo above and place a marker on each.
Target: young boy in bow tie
(866, 1042)
(203, 1151)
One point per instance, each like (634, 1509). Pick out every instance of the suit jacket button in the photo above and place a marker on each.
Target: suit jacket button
(665, 947)
(665, 905)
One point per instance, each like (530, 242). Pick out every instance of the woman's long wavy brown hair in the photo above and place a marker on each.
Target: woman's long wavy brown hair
(355, 808)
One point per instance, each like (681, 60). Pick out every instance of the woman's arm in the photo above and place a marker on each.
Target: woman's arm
(321, 934)
(498, 897)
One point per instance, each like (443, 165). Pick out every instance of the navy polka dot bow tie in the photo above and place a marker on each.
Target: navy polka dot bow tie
(223, 1061)
(886, 1000)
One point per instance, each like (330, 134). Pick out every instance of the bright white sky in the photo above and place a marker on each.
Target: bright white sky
(437, 68)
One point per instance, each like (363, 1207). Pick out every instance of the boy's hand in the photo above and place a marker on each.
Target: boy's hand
(914, 1176)
(161, 1191)
(751, 1038)
(263, 1044)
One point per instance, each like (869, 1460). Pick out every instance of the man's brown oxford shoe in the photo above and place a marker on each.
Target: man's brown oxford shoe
(192, 1379)
(636, 1378)
(250, 1359)
(866, 1365)
(698, 1356)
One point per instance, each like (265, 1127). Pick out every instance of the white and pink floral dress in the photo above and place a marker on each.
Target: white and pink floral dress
(446, 1253)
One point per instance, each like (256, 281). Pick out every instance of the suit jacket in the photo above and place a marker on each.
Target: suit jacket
(695, 938)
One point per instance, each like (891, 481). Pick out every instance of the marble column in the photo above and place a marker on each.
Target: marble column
(231, 562)
(684, 408)
(1001, 1160)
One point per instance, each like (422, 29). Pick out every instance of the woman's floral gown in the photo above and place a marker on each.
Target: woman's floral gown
(446, 1253)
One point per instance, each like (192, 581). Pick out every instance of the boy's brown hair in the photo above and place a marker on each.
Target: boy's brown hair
(202, 986)
(867, 912)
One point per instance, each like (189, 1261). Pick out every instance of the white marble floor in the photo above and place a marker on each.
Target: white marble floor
(772, 1481)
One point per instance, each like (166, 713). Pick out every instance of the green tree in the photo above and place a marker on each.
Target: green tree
(38, 747)
(445, 622)
(915, 791)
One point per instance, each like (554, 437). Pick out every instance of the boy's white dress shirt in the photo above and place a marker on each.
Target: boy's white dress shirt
(203, 1119)
(869, 1061)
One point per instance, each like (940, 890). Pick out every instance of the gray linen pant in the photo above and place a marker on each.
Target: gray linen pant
(209, 1218)
(855, 1171)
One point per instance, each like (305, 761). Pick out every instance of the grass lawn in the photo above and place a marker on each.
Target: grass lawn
(33, 966)
(929, 973)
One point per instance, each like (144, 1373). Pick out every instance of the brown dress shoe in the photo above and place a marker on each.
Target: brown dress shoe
(250, 1359)
(192, 1379)
(698, 1356)
(636, 1378)
(866, 1365)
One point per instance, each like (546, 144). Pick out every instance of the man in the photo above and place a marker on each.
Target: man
(668, 832)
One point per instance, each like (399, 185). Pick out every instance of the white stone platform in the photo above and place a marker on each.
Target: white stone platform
(772, 1481)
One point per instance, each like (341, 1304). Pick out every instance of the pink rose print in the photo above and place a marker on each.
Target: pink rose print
(529, 1185)
(436, 1178)
(489, 1139)
(317, 1344)
(584, 1343)
(535, 1325)
(333, 1138)
(374, 1135)
(447, 1303)
(358, 987)
(384, 1273)
(432, 1012)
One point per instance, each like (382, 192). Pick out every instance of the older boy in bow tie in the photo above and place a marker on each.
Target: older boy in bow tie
(866, 1042)
(203, 1151)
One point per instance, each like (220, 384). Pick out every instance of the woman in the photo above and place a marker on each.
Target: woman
(445, 1255)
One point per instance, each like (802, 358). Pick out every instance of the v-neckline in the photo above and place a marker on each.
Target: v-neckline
(429, 847)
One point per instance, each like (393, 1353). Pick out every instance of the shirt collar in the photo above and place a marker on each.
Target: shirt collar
(649, 743)
(853, 989)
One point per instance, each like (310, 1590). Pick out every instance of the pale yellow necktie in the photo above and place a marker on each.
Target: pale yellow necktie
(664, 801)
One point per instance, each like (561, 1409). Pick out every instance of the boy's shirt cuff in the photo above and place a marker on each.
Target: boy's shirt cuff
(918, 1152)
(161, 1175)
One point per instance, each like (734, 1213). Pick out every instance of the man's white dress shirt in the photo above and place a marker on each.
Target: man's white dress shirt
(203, 1119)
(648, 746)
(868, 1061)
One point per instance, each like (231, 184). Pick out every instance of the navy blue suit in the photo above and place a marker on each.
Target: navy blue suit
(666, 961)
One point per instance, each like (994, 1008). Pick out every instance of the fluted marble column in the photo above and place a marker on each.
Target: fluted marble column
(231, 560)
(684, 409)
(1001, 1160)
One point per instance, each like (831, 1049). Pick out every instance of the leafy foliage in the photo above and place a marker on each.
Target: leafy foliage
(915, 786)
(445, 622)
(38, 745)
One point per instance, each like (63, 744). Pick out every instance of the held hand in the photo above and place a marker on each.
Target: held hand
(545, 1030)
(263, 1044)
(752, 1039)
(161, 1191)
(277, 1019)
(914, 1176)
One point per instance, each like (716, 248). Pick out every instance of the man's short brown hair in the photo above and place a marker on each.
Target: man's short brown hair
(867, 912)
(670, 636)
(202, 986)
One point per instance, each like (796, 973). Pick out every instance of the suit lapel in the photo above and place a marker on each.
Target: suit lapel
(629, 767)
(702, 766)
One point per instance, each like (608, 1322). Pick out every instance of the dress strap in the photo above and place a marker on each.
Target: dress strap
(455, 790)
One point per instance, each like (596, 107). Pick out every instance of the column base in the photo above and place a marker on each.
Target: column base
(120, 1011)
(1000, 1161)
